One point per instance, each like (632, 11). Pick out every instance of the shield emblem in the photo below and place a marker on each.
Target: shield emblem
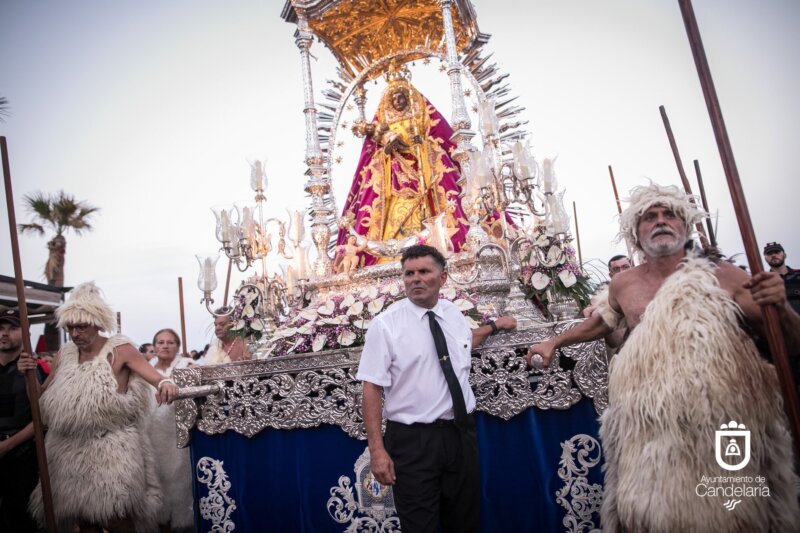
(732, 448)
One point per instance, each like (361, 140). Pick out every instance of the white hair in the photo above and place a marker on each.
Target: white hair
(87, 306)
(643, 197)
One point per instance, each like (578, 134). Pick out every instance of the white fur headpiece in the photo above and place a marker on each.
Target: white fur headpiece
(87, 306)
(644, 197)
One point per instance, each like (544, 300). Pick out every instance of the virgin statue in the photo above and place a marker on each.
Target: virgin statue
(404, 175)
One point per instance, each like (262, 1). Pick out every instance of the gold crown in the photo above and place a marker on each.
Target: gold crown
(395, 73)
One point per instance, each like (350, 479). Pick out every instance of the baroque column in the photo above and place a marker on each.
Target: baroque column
(318, 185)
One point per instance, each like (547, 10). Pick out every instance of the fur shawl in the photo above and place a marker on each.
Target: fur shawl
(100, 459)
(686, 369)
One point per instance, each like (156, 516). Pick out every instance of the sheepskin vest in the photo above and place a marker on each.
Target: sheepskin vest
(100, 459)
(685, 370)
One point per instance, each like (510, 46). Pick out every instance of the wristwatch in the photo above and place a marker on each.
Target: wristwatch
(495, 329)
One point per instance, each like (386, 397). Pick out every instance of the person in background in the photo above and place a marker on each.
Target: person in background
(147, 350)
(19, 470)
(775, 256)
(172, 463)
(226, 346)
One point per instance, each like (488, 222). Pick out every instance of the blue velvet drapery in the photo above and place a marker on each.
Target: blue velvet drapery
(281, 480)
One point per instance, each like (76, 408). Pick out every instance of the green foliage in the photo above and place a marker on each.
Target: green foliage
(59, 212)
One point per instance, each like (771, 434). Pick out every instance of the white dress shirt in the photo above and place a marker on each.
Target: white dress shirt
(400, 356)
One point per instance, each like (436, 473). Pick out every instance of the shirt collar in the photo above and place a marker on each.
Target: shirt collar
(421, 312)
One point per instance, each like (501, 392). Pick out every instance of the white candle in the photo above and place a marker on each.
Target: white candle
(209, 275)
(257, 176)
(291, 279)
(548, 176)
(302, 262)
(298, 229)
(488, 118)
(225, 226)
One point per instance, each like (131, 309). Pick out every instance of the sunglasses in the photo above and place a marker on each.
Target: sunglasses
(773, 252)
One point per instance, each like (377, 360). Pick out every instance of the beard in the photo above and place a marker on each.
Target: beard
(776, 262)
(662, 248)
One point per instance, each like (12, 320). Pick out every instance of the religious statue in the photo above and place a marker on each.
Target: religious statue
(405, 174)
(347, 257)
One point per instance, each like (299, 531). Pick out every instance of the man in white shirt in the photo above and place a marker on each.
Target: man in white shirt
(420, 362)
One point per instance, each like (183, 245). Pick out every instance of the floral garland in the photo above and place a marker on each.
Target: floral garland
(564, 278)
(246, 323)
(342, 321)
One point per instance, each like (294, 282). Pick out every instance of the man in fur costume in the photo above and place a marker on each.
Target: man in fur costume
(95, 404)
(688, 366)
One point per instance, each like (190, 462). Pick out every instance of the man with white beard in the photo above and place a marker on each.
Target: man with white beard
(688, 366)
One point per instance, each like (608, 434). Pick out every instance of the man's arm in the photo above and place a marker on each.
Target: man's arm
(480, 334)
(767, 288)
(21, 436)
(591, 329)
(166, 391)
(382, 465)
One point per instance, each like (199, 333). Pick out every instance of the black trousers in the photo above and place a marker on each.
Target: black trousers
(438, 476)
(19, 474)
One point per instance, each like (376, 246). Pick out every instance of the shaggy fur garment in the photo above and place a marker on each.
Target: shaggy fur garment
(644, 197)
(686, 369)
(100, 459)
(87, 306)
(173, 466)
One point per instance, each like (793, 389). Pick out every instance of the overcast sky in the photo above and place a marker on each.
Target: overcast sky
(148, 111)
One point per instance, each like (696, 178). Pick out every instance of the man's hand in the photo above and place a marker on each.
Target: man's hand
(767, 288)
(382, 467)
(26, 362)
(166, 393)
(545, 349)
(506, 322)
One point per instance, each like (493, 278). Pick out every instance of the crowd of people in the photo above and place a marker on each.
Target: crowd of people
(689, 333)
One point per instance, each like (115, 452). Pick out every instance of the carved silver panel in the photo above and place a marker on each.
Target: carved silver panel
(580, 499)
(303, 391)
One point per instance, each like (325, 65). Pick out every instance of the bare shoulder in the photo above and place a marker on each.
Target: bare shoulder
(730, 277)
(125, 352)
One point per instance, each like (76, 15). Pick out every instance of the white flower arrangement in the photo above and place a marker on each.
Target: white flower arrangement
(342, 321)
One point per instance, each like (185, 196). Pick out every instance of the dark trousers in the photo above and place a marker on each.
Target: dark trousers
(438, 476)
(19, 474)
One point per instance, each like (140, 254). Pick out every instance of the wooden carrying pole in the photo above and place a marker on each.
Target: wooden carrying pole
(183, 316)
(227, 282)
(679, 163)
(30, 375)
(701, 188)
(577, 234)
(619, 208)
(614, 187)
(771, 321)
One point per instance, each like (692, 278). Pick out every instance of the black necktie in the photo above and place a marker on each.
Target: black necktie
(462, 420)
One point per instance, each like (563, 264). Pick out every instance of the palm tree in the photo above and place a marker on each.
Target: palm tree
(58, 213)
(4, 107)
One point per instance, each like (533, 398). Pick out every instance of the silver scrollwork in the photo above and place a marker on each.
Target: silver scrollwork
(302, 391)
(371, 509)
(217, 507)
(580, 499)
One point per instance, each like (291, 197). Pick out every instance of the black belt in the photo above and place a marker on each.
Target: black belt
(441, 422)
